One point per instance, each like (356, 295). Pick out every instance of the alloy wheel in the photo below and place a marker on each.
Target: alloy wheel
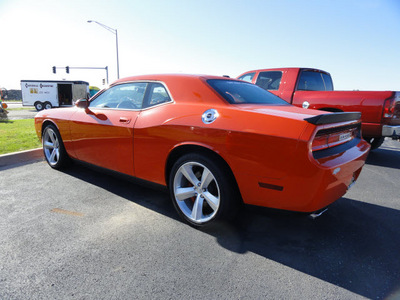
(51, 146)
(196, 192)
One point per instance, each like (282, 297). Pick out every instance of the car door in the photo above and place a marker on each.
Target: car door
(102, 134)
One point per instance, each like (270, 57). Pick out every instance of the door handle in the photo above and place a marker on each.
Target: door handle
(124, 120)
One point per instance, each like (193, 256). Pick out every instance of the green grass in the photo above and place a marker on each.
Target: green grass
(18, 135)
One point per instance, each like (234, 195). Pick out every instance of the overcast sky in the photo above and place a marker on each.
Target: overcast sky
(358, 42)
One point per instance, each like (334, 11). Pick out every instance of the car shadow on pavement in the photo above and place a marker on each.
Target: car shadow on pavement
(354, 245)
(147, 194)
(389, 158)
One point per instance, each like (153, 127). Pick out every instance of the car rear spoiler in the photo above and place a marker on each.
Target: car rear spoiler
(334, 118)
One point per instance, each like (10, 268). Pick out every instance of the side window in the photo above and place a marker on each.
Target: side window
(122, 96)
(270, 80)
(247, 77)
(157, 94)
(311, 81)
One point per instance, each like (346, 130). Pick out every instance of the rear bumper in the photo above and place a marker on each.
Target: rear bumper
(336, 174)
(310, 185)
(391, 131)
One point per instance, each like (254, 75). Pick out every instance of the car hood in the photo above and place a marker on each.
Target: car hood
(63, 113)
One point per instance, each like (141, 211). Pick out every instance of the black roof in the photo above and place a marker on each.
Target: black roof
(59, 81)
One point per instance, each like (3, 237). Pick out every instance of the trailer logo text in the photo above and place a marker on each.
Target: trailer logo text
(46, 85)
(30, 85)
(37, 85)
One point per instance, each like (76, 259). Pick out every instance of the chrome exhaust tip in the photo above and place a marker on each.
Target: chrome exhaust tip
(317, 214)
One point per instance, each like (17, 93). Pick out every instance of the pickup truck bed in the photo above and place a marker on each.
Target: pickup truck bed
(313, 89)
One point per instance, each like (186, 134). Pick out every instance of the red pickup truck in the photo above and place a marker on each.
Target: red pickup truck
(312, 88)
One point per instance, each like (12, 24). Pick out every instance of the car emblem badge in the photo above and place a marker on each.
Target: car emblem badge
(306, 104)
(209, 116)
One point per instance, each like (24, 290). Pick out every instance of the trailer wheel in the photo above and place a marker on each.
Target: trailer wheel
(39, 106)
(47, 105)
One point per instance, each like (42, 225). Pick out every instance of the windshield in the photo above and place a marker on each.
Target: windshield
(239, 92)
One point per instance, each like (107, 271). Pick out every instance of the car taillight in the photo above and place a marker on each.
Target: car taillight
(388, 108)
(327, 138)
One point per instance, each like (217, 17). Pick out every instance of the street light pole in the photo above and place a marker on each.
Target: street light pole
(116, 39)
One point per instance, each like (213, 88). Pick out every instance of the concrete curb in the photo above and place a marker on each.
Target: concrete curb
(21, 157)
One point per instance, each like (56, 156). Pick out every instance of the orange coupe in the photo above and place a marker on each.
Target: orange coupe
(215, 142)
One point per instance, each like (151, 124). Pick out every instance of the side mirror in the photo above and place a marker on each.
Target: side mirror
(82, 103)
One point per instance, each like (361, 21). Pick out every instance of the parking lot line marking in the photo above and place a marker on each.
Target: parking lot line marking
(67, 212)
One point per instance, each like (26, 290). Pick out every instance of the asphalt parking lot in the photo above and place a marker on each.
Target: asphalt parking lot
(86, 234)
(28, 113)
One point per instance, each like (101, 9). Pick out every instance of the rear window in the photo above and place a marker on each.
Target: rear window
(314, 81)
(328, 82)
(239, 92)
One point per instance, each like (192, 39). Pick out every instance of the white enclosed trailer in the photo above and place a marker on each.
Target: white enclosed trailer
(47, 94)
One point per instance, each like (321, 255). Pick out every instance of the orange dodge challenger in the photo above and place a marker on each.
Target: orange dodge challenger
(214, 141)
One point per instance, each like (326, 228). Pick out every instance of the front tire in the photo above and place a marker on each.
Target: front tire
(53, 148)
(202, 190)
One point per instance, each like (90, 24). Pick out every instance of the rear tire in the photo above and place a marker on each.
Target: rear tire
(202, 190)
(47, 105)
(375, 142)
(53, 148)
(39, 106)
